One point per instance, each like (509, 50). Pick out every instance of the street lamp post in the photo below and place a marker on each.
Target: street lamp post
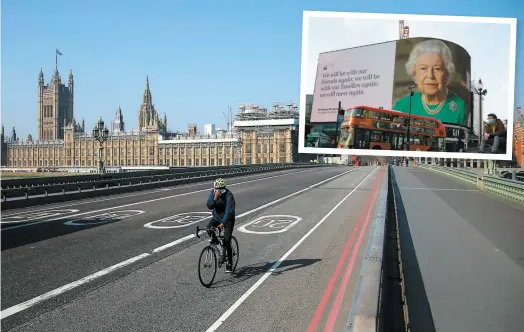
(410, 88)
(480, 91)
(101, 134)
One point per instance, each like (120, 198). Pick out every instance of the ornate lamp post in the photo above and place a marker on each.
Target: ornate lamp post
(101, 134)
(480, 91)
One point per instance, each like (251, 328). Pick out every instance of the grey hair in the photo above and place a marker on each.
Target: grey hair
(432, 46)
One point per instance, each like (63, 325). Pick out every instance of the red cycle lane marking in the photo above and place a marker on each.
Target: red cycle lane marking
(333, 315)
(327, 293)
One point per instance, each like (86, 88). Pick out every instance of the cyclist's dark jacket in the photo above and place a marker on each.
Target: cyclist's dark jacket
(223, 208)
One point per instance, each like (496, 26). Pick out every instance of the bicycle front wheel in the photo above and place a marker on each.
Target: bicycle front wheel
(234, 248)
(207, 266)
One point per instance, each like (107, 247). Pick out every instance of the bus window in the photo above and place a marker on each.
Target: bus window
(376, 136)
(346, 137)
(356, 112)
(386, 116)
(362, 137)
(372, 114)
(397, 141)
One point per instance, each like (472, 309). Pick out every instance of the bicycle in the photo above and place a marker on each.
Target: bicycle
(214, 248)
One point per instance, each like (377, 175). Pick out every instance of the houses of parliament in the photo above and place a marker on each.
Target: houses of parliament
(63, 142)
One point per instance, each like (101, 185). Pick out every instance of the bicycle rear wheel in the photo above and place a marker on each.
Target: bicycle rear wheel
(208, 259)
(234, 248)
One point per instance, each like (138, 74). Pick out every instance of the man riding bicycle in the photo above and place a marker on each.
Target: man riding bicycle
(222, 202)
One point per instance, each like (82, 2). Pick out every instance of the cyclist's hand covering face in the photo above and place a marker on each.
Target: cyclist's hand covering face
(217, 194)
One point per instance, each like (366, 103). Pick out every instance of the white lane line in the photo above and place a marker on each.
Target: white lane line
(136, 203)
(244, 296)
(436, 189)
(27, 304)
(145, 192)
(188, 237)
(174, 243)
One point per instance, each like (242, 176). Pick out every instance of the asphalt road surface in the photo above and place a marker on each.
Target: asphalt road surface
(129, 263)
(463, 252)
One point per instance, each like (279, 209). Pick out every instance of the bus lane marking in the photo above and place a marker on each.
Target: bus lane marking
(271, 224)
(30, 216)
(179, 220)
(104, 218)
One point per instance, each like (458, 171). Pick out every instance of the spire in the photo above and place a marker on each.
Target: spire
(147, 93)
(41, 76)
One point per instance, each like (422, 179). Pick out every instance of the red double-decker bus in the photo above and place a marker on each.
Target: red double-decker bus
(378, 129)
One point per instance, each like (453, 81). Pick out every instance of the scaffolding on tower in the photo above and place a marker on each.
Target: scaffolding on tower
(252, 112)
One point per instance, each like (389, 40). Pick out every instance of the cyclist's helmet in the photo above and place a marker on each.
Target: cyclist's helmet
(219, 183)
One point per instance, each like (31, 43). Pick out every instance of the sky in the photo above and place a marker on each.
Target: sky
(201, 56)
(491, 66)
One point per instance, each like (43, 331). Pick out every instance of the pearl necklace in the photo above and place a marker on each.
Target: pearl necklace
(436, 110)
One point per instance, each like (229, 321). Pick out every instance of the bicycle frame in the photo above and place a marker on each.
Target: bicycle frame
(216, 239)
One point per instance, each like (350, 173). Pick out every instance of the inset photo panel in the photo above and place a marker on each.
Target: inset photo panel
(407, 85)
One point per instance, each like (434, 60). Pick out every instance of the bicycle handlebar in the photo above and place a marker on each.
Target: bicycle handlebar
(198, 230)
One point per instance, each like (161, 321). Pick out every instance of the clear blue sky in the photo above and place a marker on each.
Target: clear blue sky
(201, 56)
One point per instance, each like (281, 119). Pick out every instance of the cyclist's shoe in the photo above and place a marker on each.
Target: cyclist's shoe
(229, 268)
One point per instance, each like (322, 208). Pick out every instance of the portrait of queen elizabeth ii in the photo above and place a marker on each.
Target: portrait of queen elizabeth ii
(431, 67)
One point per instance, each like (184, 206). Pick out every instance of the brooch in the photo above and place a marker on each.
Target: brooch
(453, 106)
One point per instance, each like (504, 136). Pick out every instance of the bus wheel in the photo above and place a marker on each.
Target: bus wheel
(376, 147)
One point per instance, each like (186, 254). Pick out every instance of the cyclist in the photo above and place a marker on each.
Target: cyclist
(222, 202)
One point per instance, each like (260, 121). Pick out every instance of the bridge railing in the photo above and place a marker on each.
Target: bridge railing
(484, 182)
(50, 180)
(36, 195)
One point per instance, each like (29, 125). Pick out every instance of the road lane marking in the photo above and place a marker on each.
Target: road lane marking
(436, 189)
(335, 309)
(27, 304)
(29, 216)
(142, 202)
(104, 218)
(260, 281)
(174, 243)
(179, 220)
(317, 316)
(272, 224)
(148, 192)
(189, 237)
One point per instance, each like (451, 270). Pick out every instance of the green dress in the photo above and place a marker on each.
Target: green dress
(453, 111)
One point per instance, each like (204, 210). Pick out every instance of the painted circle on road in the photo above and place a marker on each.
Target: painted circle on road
(104, 218)
(270, 224)
(30, 216)
(179, 220)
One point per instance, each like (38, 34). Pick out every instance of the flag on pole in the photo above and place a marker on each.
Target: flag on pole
(58, 52)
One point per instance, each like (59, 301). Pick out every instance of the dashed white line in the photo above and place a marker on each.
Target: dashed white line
(27, 304)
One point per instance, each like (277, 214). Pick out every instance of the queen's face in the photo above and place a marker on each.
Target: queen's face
(430, 74)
